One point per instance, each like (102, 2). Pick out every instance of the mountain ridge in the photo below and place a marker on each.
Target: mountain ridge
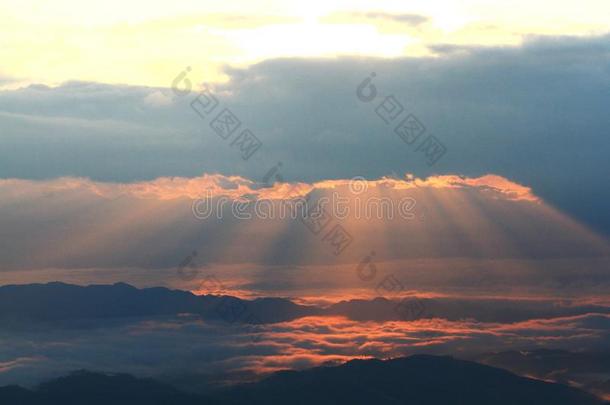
(58, 301)
(413, 380)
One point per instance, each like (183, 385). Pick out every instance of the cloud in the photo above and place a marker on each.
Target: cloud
(235, 187)
(4, 79)
(411, 19)
(158, 99)
(384, 21)
(482, 235)
(173, 347)
(7, 366)
(535, 114)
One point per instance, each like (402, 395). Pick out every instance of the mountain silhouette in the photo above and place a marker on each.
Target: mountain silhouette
(83, 387)
(589, 370)
(61, 302)
(64, 302)
(415, 380)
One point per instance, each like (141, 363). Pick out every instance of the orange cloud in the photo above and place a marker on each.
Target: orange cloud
(235, 187)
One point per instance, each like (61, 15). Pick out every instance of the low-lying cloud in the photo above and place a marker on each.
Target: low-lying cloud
(173, 347)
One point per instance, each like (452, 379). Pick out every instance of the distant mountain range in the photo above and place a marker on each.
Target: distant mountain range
(59, 302)
(415, 380)
(420, 379)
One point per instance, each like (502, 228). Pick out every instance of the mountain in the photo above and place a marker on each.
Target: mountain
(504, 310)
(589, 370)
(64, 302)
(60, 302)
(99, 389)
(415, 380)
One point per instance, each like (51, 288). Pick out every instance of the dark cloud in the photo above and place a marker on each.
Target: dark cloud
(536, 113)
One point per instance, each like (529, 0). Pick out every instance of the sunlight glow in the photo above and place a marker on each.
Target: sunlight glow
(143, 43)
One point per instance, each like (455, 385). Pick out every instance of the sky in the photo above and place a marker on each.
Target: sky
(144, 44)
(483, 125)
(101, 99)
(99, 103)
